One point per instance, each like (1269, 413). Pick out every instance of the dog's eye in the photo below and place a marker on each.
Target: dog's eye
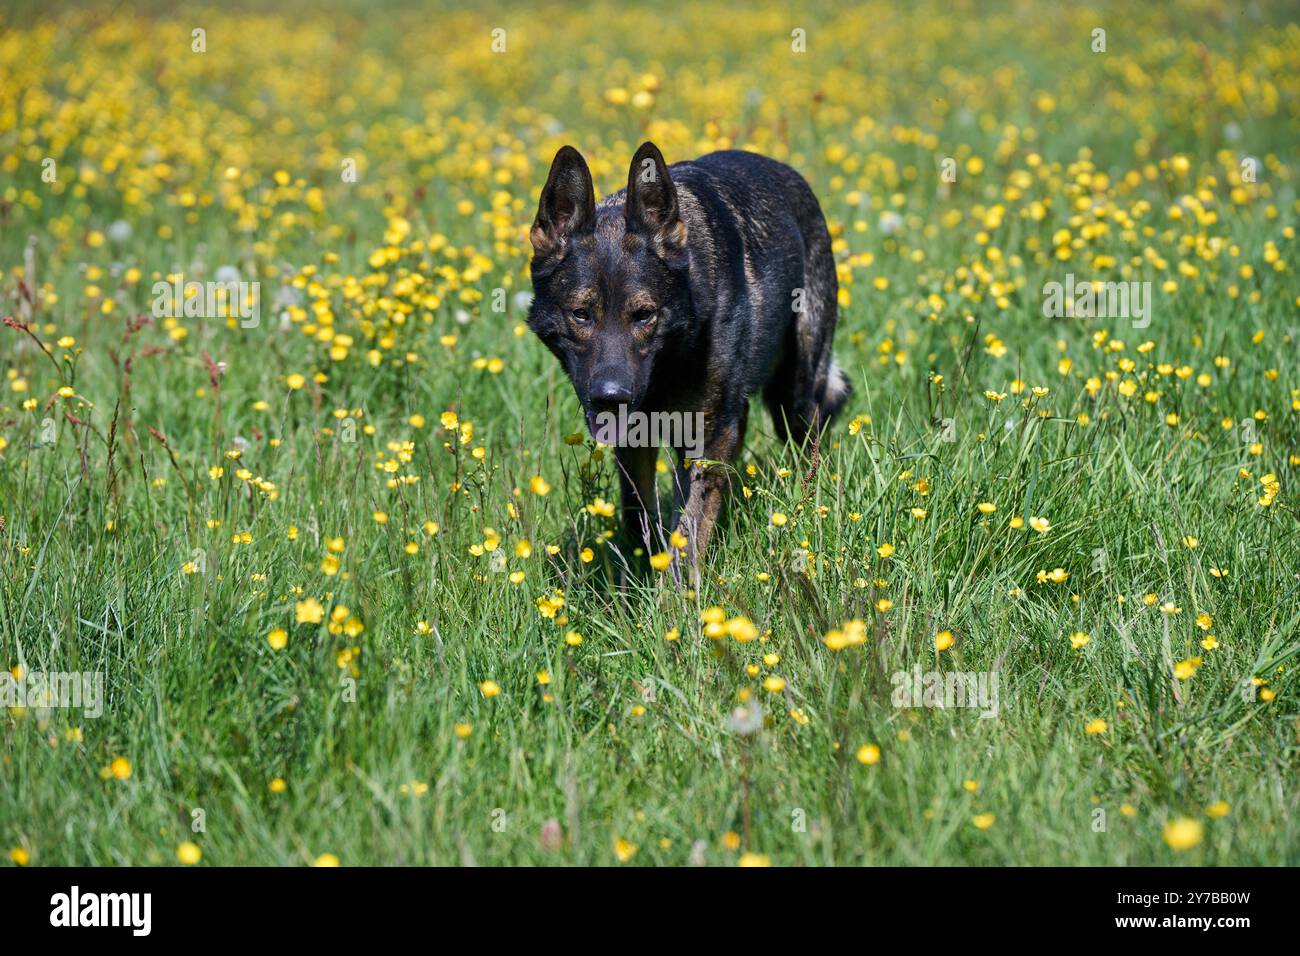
(580, 315)
(641, 316)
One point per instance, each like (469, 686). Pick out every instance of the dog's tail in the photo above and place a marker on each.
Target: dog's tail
(838, 391)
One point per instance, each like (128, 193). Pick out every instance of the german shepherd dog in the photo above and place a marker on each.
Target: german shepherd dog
(695, 288)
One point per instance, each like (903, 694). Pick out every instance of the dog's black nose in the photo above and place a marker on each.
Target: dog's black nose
(609, 393)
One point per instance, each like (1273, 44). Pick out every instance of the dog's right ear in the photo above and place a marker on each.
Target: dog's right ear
(567, 206)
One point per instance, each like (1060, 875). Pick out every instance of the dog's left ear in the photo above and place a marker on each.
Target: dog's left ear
(651, 207)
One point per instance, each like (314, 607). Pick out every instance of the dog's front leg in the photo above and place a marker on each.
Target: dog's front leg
(636, 479)
(703, 504)
(681, 485)
(708, 483)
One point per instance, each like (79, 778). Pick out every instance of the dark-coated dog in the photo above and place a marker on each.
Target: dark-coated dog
(695, 288)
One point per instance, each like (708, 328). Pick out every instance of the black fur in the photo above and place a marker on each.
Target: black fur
(697, 287)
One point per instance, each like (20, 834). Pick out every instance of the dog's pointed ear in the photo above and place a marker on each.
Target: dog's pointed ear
(567, 206)
(651, 207)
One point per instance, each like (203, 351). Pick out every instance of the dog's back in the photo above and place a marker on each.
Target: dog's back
(767, 251)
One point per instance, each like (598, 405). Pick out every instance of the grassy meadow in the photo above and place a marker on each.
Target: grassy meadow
(349, 569)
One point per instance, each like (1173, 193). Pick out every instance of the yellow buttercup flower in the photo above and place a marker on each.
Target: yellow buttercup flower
(189, 853)
(1183, 833)
(309, 611)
